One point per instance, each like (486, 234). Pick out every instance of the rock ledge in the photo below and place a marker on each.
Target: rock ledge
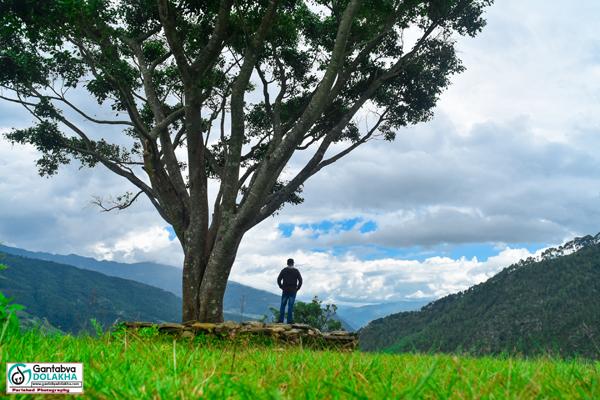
(299, 334)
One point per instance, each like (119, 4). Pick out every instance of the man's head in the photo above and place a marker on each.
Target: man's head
(290, 262)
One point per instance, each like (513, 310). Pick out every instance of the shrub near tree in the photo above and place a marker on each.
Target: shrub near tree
(314, 314)
(201, 104)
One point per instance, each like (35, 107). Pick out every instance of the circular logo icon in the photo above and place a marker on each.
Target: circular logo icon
(18, 373)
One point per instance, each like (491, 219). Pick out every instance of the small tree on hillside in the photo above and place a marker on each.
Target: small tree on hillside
(196, 92)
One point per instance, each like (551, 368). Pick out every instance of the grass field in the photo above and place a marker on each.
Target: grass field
(154, 366)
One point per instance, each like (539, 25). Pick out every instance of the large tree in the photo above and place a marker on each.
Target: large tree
(222, 94)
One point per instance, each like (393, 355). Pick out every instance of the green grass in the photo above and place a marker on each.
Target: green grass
(154, 366)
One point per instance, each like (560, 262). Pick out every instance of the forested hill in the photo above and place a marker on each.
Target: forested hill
(68, 297)
(537, 306)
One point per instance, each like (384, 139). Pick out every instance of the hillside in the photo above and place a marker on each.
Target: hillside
(550, 304)
(68, 297)
(256, 302)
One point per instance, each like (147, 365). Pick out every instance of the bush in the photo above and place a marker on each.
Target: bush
(314, 314)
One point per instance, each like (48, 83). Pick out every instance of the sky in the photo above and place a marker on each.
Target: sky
(507, 167)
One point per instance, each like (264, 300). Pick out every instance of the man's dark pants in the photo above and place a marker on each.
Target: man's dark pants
(288, 298)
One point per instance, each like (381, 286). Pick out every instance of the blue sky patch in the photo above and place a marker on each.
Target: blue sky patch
(369, 226)
(329, 226)
(171, 231)
(286, 229)
(482, 251)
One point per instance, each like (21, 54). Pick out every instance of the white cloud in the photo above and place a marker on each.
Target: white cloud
(344, 277)
(150, 243)
(534, 58)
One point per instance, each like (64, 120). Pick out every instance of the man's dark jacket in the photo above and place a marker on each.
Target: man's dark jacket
(289, 280)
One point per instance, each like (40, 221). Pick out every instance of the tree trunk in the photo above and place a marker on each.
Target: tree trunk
(212, 292)
(204, 282)
(193, 268)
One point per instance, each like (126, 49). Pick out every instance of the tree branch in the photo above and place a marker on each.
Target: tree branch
(211, 51)
(126, 98)
(232, 163)
(169, 23)
(121, 203)
(354, 145)
(61, 97)
(159, 61)
(161, 130)
(264, 179)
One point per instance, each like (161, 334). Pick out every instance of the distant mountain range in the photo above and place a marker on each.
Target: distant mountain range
(254, 303)
(549, 304)
(361, 316)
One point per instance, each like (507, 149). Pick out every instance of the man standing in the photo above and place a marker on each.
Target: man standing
(289, 281)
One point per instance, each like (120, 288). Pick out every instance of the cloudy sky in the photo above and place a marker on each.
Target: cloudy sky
(508, 166)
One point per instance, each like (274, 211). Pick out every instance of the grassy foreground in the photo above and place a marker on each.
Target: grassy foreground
(126, 366)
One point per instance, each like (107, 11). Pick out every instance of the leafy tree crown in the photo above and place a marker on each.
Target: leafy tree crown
(204, 90)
